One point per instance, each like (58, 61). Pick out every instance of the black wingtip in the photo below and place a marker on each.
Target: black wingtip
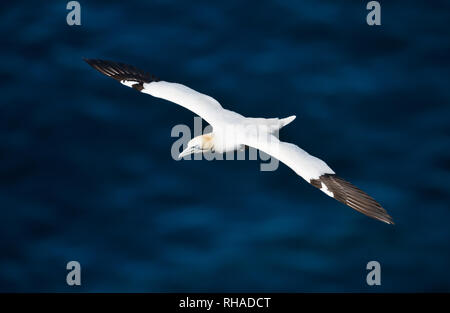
(88, 61)
(352, 196)
(386, 218)
(120, 71)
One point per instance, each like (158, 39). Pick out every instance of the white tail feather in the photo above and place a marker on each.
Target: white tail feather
(287, 120)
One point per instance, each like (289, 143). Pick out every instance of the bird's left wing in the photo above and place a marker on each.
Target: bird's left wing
(205, 106)
(317, 173)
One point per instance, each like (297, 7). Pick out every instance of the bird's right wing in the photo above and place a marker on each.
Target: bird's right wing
(205, 106)
(319, 174)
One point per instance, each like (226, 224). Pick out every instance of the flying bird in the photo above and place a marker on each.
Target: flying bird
(232, 131)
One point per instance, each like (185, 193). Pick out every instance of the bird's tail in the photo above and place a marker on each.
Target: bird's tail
(287, 120)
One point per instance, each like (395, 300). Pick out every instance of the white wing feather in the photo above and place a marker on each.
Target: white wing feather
(205, 106)
(301, 162)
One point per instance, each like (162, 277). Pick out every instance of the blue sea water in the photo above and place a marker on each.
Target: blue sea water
(86, 172)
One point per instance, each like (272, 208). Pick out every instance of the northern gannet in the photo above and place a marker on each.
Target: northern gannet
(232, 131)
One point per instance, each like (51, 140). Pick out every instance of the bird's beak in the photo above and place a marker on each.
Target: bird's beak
(187, 151)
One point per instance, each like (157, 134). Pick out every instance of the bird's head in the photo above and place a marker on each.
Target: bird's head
(199, 144)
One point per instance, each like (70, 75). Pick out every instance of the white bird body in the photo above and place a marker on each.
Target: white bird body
(232, 131)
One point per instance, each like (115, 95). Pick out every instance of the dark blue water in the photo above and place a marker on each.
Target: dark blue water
(86, 172)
